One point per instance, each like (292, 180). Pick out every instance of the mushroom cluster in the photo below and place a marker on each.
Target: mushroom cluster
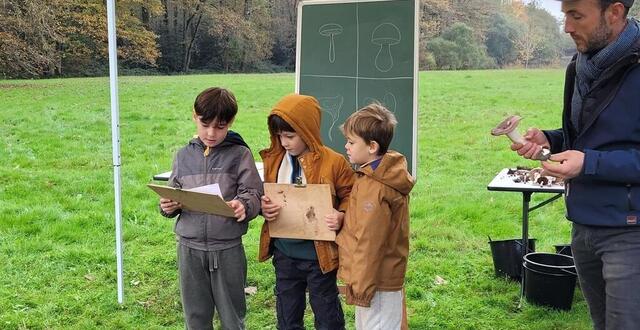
(533, 176)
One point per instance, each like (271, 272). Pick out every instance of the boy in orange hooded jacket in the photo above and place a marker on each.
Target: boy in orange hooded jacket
(297, 153)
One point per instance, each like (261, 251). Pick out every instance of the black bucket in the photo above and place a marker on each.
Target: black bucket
(564, 249)
(551, 284)
(550, 263)
(507, 257)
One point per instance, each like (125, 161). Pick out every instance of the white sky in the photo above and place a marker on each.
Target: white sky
(552, 6)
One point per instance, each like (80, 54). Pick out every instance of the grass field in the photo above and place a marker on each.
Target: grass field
(57, 241)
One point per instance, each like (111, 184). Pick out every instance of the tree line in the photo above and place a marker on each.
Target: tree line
(59, 38)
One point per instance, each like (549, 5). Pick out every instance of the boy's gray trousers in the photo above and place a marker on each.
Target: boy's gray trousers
(213, 280)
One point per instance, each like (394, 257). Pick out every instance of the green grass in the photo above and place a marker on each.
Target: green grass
(57, 215)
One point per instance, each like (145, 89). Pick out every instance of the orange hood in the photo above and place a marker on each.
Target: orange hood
(303, 114)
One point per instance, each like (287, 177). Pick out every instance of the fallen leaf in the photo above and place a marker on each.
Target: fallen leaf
(251, 290)
(440, 281)
(145, 304)
(89, 277)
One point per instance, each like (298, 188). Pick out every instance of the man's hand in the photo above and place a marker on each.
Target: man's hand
(334, 220)
(535, 141)
(169, 206)
(238, 209)
(564, 165)
(270, 210)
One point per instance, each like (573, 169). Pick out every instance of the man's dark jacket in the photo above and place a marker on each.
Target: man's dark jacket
(607, 191)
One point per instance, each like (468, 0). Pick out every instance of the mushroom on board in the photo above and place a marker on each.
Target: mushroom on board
(330, 30)
(385, 35)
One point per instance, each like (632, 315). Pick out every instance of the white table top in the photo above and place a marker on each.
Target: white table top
(504, 182)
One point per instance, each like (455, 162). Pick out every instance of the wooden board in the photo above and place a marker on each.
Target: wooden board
(195, 201)
(303, 211)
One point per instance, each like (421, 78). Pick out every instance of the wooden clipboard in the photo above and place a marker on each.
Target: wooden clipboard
(303, 210)
(195, 200)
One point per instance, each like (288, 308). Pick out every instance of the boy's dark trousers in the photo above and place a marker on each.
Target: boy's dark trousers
(213, 280)
(293, 276)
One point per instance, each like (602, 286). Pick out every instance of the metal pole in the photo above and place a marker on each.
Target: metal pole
(526, 198)
(115, 137)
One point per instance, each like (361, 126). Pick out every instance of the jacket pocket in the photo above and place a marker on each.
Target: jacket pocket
(598, 197)
(222, 228)
(187, 226)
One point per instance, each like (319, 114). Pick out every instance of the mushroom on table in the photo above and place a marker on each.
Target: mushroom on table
(533, 176)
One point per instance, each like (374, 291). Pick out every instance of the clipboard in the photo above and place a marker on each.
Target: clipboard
(195, 200)
(303, 210)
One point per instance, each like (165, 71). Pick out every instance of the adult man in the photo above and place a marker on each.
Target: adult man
(597, 152)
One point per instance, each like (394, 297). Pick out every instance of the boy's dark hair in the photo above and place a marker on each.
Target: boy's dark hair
(372, 123)
(278, 125)
(216, 102)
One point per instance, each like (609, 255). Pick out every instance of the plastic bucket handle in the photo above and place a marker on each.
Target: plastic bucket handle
(524, 264)
(550, 274)
(550, 266)
(522, 244)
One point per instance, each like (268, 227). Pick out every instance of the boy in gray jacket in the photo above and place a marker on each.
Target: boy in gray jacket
(211, 260)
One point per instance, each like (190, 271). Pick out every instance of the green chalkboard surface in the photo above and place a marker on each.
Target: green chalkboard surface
(352, 53)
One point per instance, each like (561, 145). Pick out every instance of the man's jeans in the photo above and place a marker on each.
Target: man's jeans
(293, 276)
(608, 264)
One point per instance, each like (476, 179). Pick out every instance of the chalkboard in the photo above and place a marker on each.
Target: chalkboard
(352, 53)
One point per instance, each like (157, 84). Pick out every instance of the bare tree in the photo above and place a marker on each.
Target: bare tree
(192, 17)
(528, 43)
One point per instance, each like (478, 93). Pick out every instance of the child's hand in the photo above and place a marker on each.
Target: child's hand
(168, 206)
(269, 210)
(238, 209)
(334, 220)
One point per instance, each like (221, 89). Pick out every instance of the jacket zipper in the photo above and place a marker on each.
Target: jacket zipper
(206, 241)
(629, 205)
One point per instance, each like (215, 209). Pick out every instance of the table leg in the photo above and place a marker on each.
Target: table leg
(526, 199)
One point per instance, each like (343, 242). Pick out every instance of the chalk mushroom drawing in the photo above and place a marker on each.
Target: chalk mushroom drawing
(331, 30)
(385, 35)
(388, 100)
(508, 127)
(332, 106)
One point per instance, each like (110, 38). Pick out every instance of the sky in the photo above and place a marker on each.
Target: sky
(552, 6)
